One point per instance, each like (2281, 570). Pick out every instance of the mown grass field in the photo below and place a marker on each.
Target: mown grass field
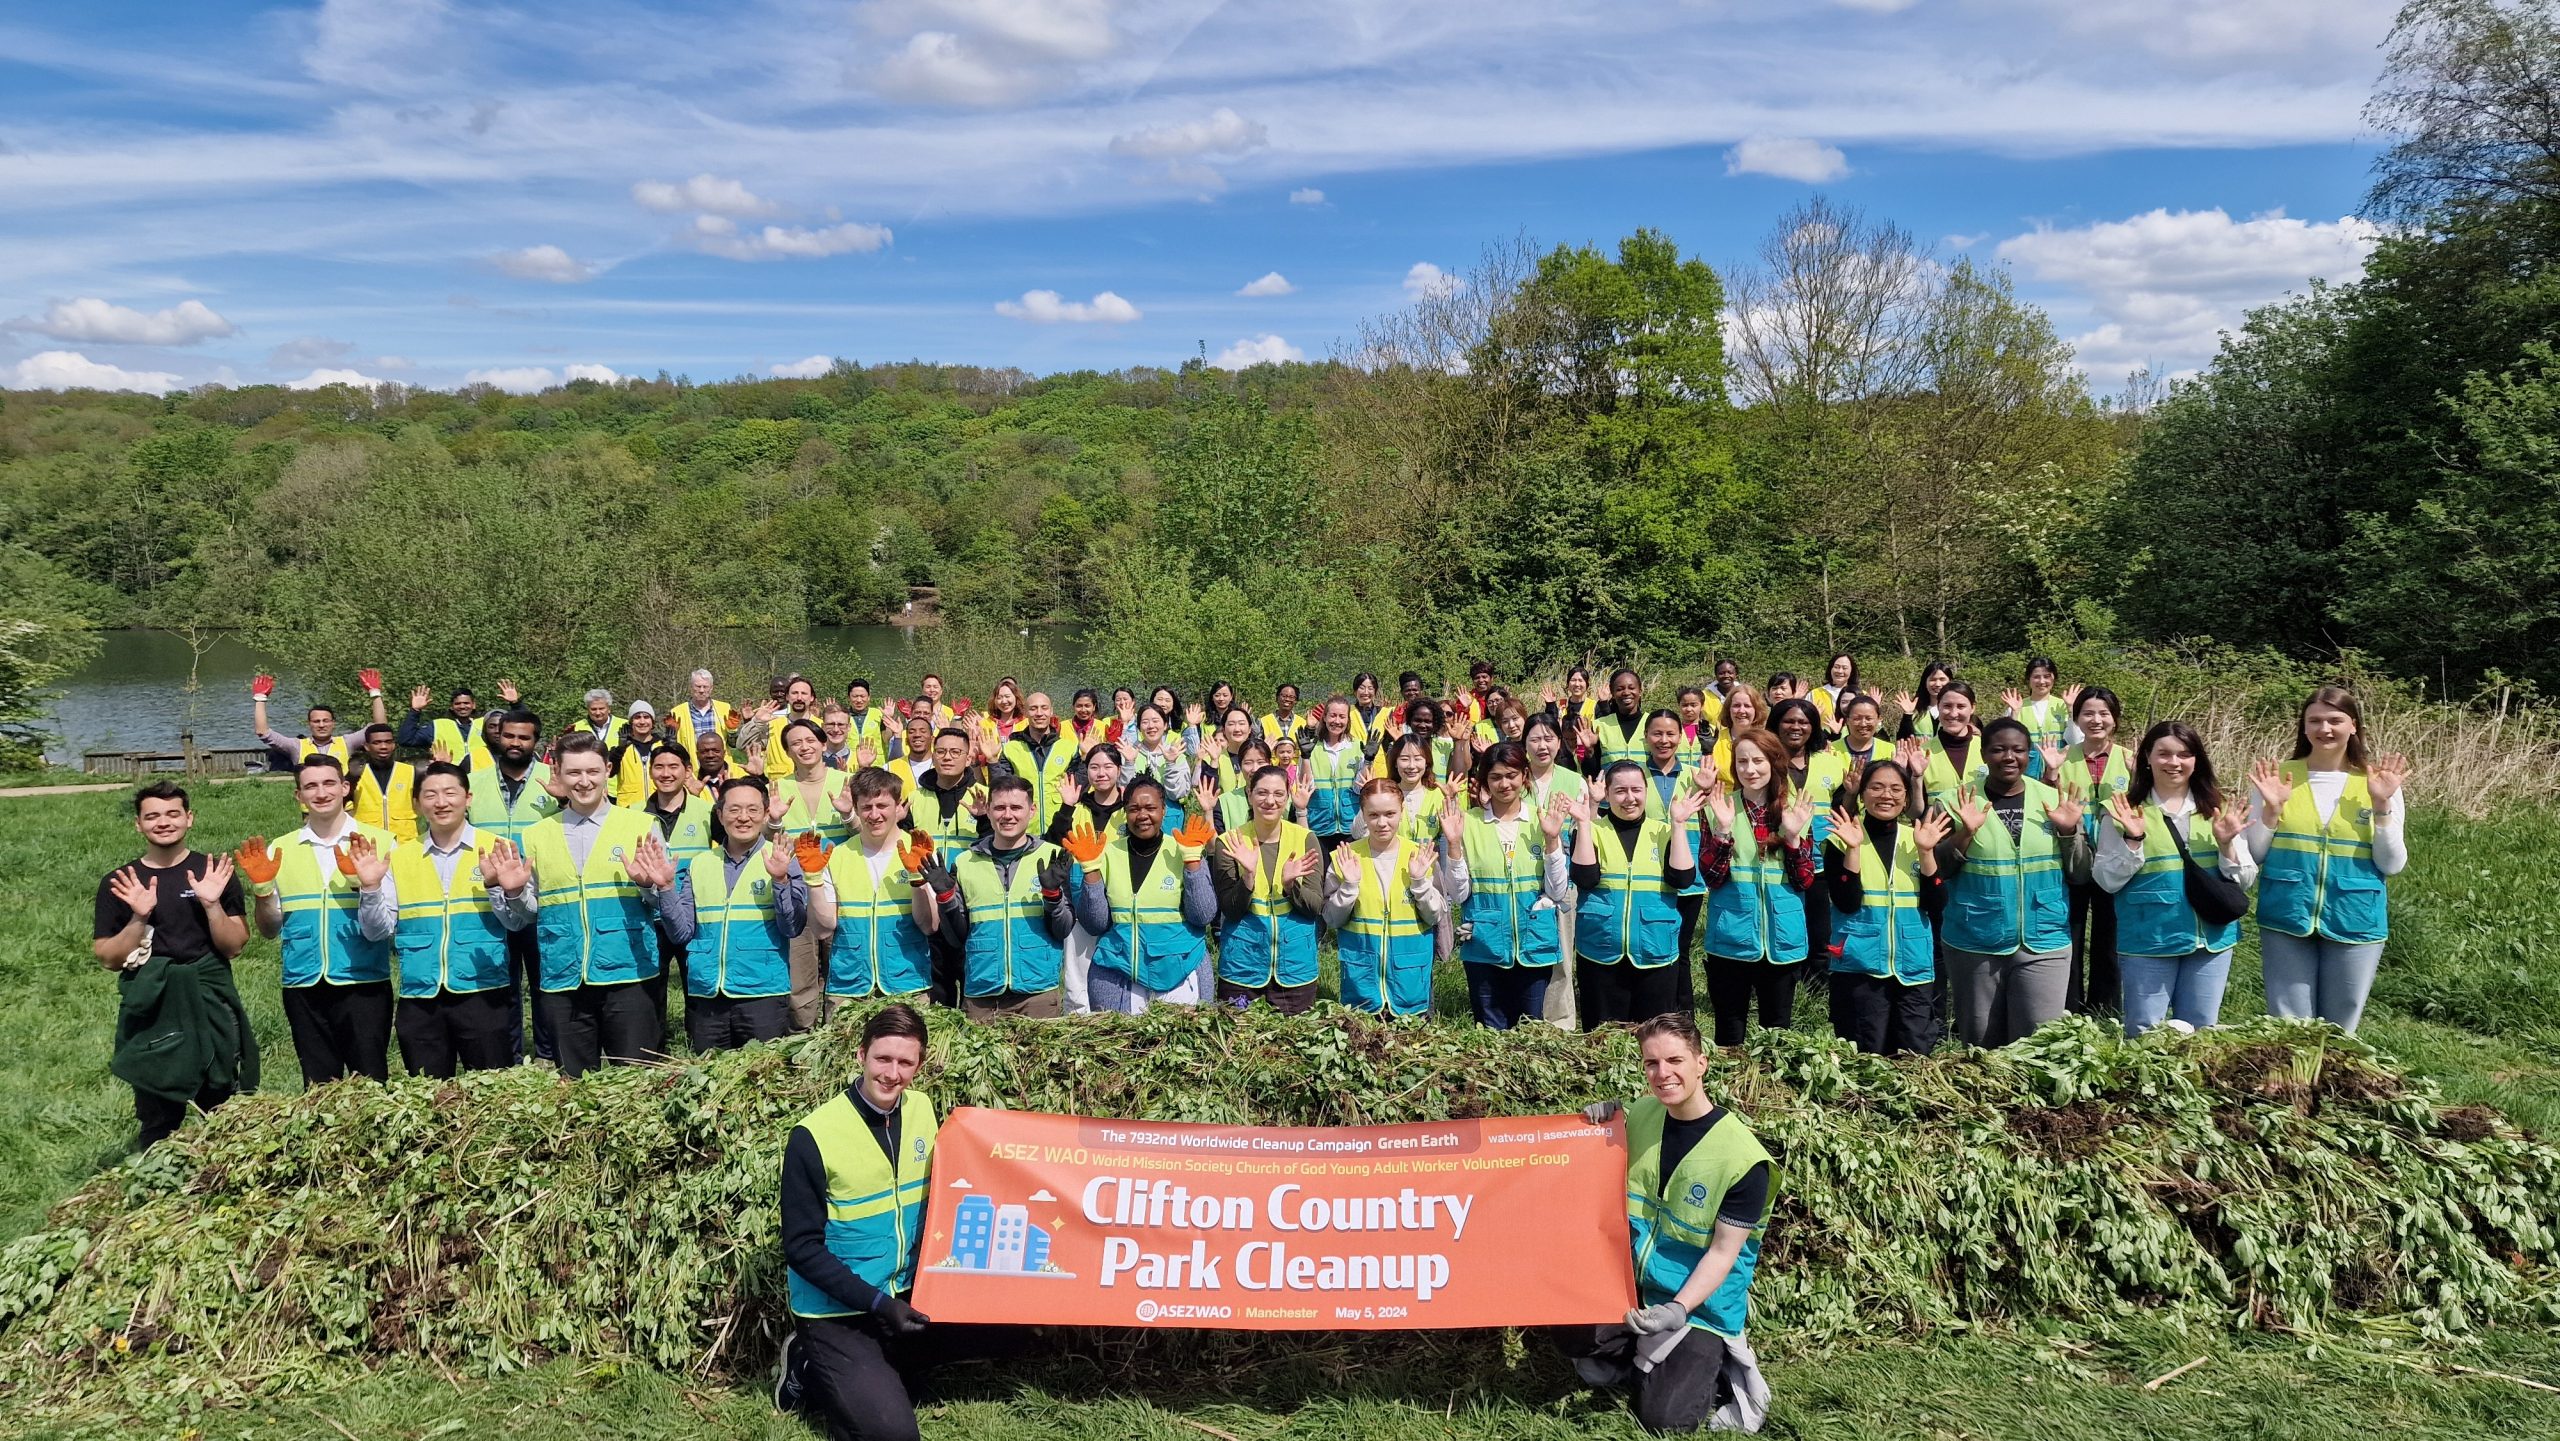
(2470, 996)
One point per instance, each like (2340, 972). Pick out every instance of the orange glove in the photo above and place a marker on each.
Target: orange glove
(1194, 837)
(1084, 843)
(257, 862)
(916, 853)
(347, 856)
(812, 849)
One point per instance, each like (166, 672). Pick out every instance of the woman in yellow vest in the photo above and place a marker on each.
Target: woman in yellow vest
(1148, 903)
(2046, 716)
(1409, 765)
(2174, 962)
(1627, 863)
(2328, 833)
(1505, 861)
(1887, 878)
(1839, 682)
(1756, 862)
(1920, 709)
(1951, 760)
(2093, 769)
(1382, 900)
(1743, 710)
(2007, 924)
(814, 797)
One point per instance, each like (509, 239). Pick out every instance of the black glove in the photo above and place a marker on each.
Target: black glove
(897, 1318)
(1053, 876)
(937, 875)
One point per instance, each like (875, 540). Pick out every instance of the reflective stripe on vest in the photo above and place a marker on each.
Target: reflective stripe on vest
(1385, 949)
(1506, 884)
(449, 941)
(1008, 947)
(319, 938)
(1755, 915)
(1627, 915)
(738, 948)
(878, 949)
(591, 926)
(1167, 951)
(2153, 916)
(2320, 879)
(2010, 897)
(1272, 944)
(1887, 937)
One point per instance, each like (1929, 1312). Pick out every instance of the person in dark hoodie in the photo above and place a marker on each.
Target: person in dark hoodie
(1010, 908)
(168, 924)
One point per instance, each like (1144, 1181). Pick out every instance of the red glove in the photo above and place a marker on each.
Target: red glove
(262, 685)
(960, 706)
(372, 679)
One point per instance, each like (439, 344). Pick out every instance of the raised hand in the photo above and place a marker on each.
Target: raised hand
(1580, 808)
(865, 757)
(257, 862)
(1127, 709)
(2012, 700)
(1346, 866)
(916, 854)
(2128, 820)
(1194, 837)
(371, 679)
(420, 697)
(2071, 697)
(1719, 803)
(358, 858)
(1686, 802)
(1194, 714)
(1084, 842)
(503, 866)
(1453, 813)
(976, 800)
(441, 752)
(1799, 818)
(1912, 754)
(961, 706)
(1307, 863)
(651, 865)
(812, 851)
(1846, 830)
(776, 863)
(1907, 703)
(1070, 790)
(139, 895)
(1546, 695)
(2064, 813)
(559, 788)
(1204, 793)
(1418, 869)
(2273, 788)
(1585, 735)
(507, 691)
(2052, 758)
(1972, 809)
(262, 685)
(1551, 821)
(217, 879)
(2384, 776)
(2231, 820)
(1302, 791)
(1932, 828)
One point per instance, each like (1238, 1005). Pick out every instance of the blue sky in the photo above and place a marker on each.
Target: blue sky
(436, 191)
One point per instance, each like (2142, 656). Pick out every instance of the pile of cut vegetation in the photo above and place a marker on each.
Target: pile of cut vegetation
(2260, 1176)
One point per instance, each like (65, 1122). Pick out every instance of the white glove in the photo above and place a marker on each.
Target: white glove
(1601, 1113)
(1657, 1318)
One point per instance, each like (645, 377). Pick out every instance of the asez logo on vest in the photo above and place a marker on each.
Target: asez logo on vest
(1697, 1193)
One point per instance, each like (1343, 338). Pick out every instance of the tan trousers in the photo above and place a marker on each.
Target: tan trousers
(808, 980)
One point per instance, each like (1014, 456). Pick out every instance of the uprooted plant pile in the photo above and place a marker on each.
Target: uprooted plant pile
(2266, 1175)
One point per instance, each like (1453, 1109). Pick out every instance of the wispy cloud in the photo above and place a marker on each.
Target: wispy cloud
(548, 263)
(1257, 350)
(1047, 307)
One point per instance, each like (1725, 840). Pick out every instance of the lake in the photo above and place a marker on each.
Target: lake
(145, 688)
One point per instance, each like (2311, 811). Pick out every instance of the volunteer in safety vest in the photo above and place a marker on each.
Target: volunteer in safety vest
(1618, 734)
(327, 894)
(1506, 872)
(1698, 1201)
(1627, 864)
(873, 902)
(1666, 775)
(1331, 773)
(1756, 863)
(1950, 760)
(461, 894)
(2174, 964)
(2046, 716)
(283, 750)
(854, 1175)
(2327, 832)
(382, 789)
(864, 726)
(1147, 903)
(733, 910)
(1040, 757)
(598, 948)
(628, 758)
(701, 714)
(1008, 907)
(1887, 879)
(454, 735)
(1382, 900)
(1268, 874)
(2093, 769)
(2007, 929)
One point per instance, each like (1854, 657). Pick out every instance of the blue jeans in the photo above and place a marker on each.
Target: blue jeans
(1107, 990)
(2312, 976)
(2158, 988)
(1504, 996)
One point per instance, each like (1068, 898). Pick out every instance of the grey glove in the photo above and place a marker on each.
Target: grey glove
(1657, 1318)
(1601, 1113)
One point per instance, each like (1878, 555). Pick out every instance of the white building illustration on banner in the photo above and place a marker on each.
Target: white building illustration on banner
(999, 1239)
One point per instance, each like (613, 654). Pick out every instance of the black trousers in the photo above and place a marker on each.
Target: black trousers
(458, 1031)
(1731, 985)
(860, 1385)
(1287, 1000)
(2093, 946)
(1617, 991)
(1817, 935)
(160, 1116)
(948, 962)
(524, 957)
(1686, 997)
(598, 1025)
(724, 1023)
(340, 1031)
(1676, 1396)
(1880, 1016)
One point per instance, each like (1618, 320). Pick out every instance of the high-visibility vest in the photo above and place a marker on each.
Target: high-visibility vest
(1148, 942)
(1384, 947)
(1333, 778)
(1627, 915)
(1421, 822)
(1659, 789)
(1510, 922)
(1755, 915)
(2113, 778)
(695, 829)
(738, 949)
(320, 938)
(1830, 768)
(463, 743)
(1671, 1221)
(493, 815)
(393, 811)
(1887, 935)
(2010, 897)
(2153, 915)
(2320, 879)
(449, 939)
(592, 927)
(1272, 943)
(724, 721)
(878, 949)
(1620, 740)
(1939, 782)
(1044, 773)
(799, 815)
(946, 818)
(2044, 720)
(777, 756)
(336, 749)
(875, 1205)
(867, 728)
(1009, 947)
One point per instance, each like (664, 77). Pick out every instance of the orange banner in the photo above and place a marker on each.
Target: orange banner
(1067, 1220)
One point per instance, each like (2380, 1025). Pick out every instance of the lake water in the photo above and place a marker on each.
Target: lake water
(146, 688)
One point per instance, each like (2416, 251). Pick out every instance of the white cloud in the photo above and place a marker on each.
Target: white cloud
(1257, 350)
(319, 378)
(1788, 158)
(717, 235)
(1224, 132)
(1272, 284)
(1045, 29)
(305, 350)
(522, 379)
(602, 373)
(808, 368)
(375, 44)
(1046, 307)
(544, 262)
(1426, 280)
(1308, 196)
(2162, 286)
(70, 370)
(96, 322)
(705, 192)
(987, 52)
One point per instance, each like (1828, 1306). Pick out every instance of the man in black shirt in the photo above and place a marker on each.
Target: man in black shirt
(168, 925)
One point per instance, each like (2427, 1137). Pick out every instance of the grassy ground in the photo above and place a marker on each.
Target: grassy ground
(2470, 995)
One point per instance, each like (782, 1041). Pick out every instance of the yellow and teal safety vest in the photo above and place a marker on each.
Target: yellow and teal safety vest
(875, 1205)
(592, 927)
(1755, 915)
(2010, 895)
(1510, 921)
(1628, 915)
(2153, 915)
(1384, 947)
(1272, 943)
(449, 940)
(1009, 947)
(1671, 1220)
(319, 938)
(1887, 935)
(1148, 940)
(878, 949)
(2320, 879)
(738, 948)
